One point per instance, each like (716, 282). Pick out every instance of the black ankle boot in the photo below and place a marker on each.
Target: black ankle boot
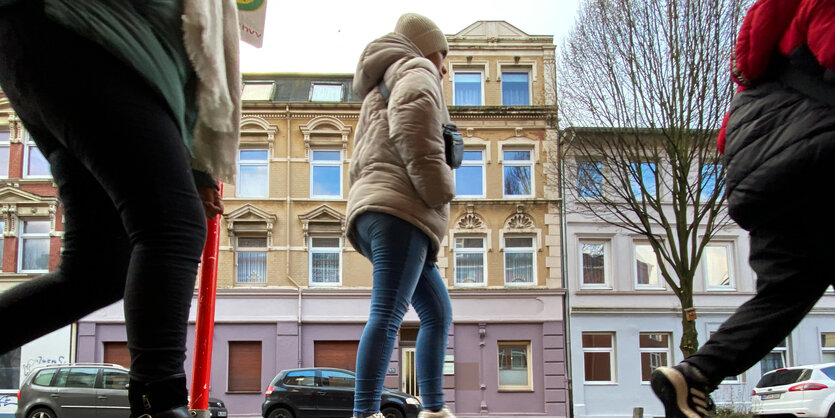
(162, 398)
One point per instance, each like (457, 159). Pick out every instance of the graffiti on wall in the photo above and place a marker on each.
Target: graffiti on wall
(34, 362)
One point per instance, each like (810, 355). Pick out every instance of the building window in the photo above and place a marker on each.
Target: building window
(326, 174)
(5, 146)
(599, 357)
(2, 244)
(777, 358)
(717, 267)
(470, 255)
(514, 365)
(519, 261)
(643, 177)
(467, 89)
(647, 273)
(34, 163)
(251, 259)
(258, 91)
(594, 268)
(326, 92)
(10, 369)
(655, 352)
(828, 347)
(34, 246)
(469, 178)
(518, 171)
(516, 89)
(244, 367)
(253, 173)
(589, 179)
(709, 175)
(325, 260)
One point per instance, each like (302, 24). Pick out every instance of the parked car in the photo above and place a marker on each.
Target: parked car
(801, 391)
(81, 390)
(326, 392)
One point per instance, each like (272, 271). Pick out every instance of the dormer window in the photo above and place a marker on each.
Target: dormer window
(326, 92)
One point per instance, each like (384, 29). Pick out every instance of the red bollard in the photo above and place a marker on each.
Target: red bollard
(205, 324)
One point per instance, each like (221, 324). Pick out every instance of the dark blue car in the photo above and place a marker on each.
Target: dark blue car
(325, 392)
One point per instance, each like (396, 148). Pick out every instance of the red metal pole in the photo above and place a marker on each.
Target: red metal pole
(205, 325)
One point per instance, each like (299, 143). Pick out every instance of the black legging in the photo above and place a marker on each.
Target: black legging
(134, 225)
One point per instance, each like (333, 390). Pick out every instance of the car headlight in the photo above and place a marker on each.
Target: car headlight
(413, 401)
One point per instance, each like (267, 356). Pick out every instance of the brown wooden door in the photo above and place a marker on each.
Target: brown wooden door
(338, 354)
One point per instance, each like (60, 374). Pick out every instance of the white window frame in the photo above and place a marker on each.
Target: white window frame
(633, 181)
(612, 357)
(607, 282)
(23, 236)
(577, 180)
(258, 90)
(654, 350)
(265, 163)
(517, 70)
(2, 242)
(658, 277)
(519, 163)
(529, 366)
(482, 251)
(323, 250)
(728, 246)
(28, 144)
(473, 163)
(783, 352)
(521, 250)
(8, 145)
(263, 249)
(327, 85)
(825, 349)
(468, 71)
(326, 163)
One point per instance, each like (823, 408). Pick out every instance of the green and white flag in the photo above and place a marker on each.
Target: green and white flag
(252, 14)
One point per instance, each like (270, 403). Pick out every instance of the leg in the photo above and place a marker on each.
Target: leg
(431, 301)
(397, 250)
(791, 277)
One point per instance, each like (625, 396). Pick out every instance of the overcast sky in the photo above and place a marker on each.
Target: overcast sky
(327, 36)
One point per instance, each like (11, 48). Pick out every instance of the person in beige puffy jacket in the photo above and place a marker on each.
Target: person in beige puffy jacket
(398, 205)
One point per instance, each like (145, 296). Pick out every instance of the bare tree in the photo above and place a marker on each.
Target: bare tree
(643, 87)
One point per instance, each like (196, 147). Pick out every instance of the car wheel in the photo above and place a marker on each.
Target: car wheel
(831, 413)
(280, 413)
(42, 413)
(392, 412)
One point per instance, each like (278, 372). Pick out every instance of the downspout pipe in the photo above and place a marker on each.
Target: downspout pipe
(565, 281)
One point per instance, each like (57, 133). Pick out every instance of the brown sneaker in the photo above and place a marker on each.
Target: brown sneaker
(683, 390)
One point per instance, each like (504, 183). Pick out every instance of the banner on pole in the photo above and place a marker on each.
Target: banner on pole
(252, 15)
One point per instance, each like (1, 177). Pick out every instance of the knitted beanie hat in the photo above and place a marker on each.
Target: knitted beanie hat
(422, 32)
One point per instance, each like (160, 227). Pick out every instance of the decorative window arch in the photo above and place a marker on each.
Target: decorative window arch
(257, 132)
(325, 131)
(250, 220)
(323, 220)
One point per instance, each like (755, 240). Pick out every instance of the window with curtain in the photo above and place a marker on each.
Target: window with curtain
(516, 89)
(827, 347)
(325, 260)
(34, 246)
(468, 88)
(5, 146)
(655, 350)
(646, 267)
(326, 174)
(518, 172)
(593, 254)
(251, 259)
(253, 171)
(514, 365)
(469, 178)
(244, 371)
(469, 261)
(776, 359)
(326, 92)
(599, 357)
(519, 261)
(589, 179)
(34, 163)
(717, 266)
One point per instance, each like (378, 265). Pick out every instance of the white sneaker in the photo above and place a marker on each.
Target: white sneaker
(377, 415)
(443, 413)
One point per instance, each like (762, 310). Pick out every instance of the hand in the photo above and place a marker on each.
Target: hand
(212, 204)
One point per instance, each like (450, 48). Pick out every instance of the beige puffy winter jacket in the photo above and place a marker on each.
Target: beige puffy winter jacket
(399, 166)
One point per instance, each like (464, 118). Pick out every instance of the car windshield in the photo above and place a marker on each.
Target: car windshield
(784, 377)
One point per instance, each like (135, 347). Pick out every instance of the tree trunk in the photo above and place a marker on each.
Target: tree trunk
(690, 336)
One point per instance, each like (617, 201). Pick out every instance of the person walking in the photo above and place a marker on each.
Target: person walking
(398, 205)
(136, 106)
(779, 146)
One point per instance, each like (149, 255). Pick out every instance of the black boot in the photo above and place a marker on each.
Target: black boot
(162, 398)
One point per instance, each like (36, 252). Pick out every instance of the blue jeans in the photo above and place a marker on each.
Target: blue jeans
(402, 274)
